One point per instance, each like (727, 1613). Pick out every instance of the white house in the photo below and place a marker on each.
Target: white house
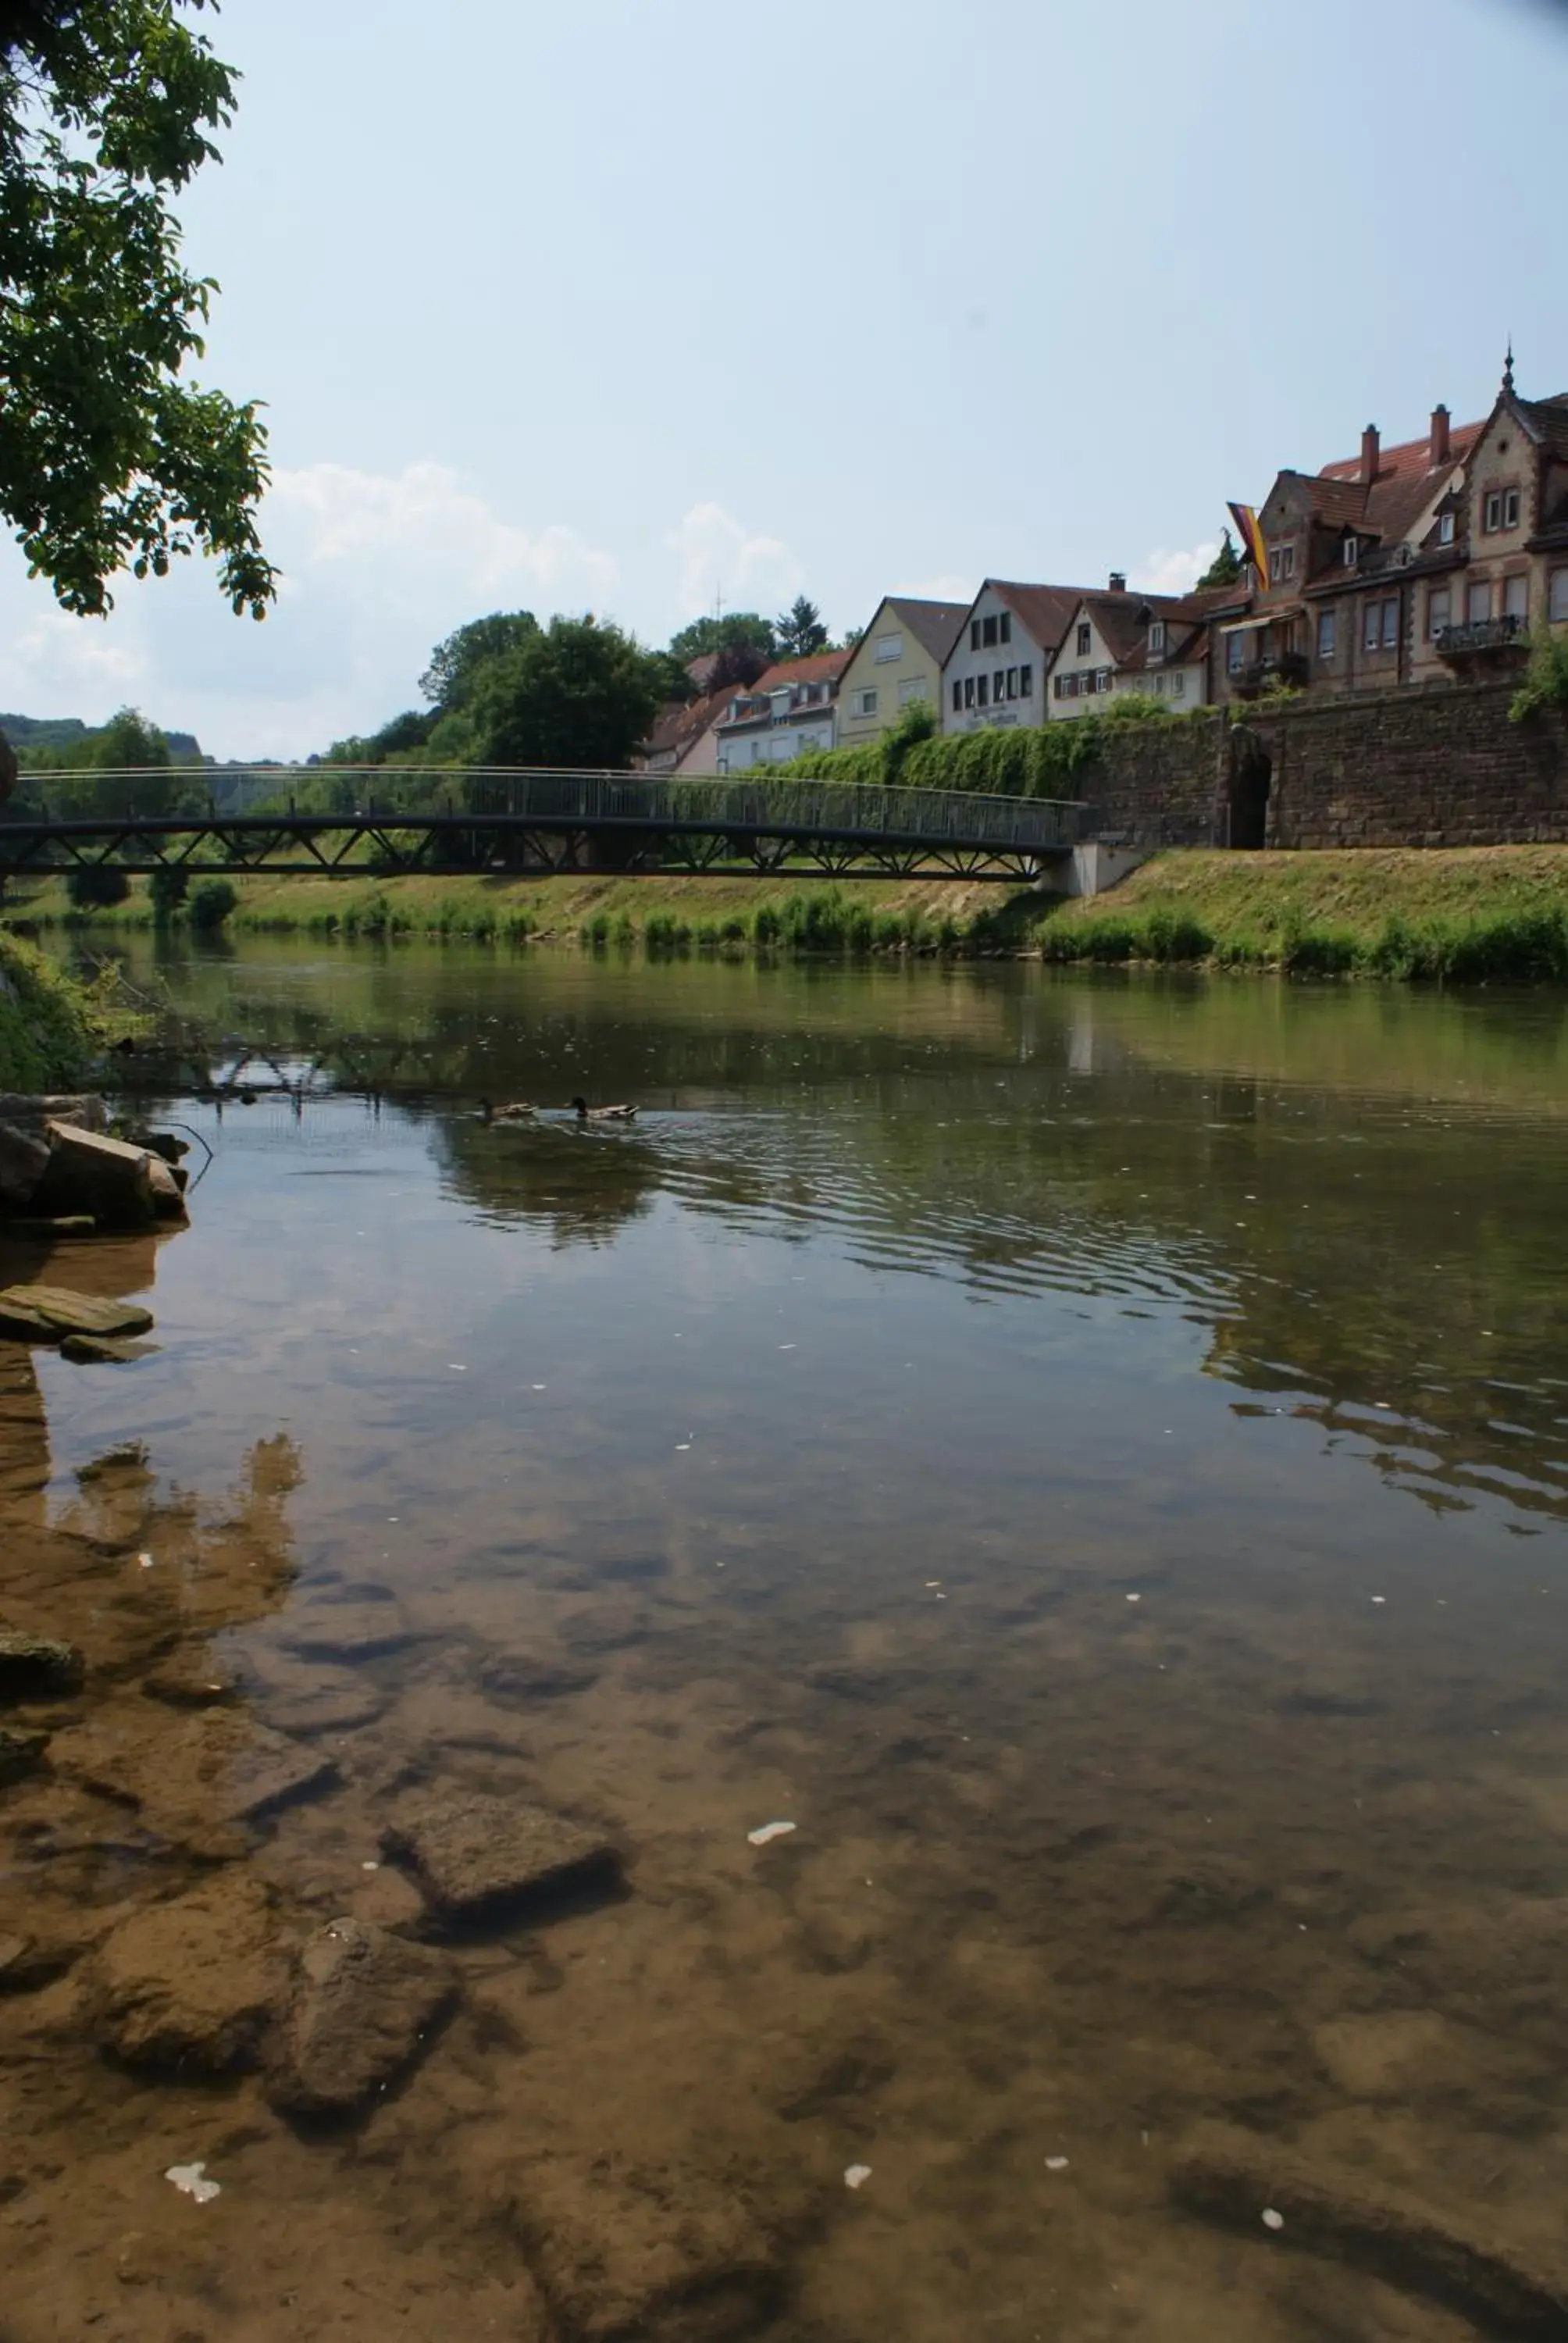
(1116, 641)
(996, 671)
(788, 712)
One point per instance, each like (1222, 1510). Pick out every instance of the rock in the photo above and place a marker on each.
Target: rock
(46, 1313)
(165, 1144)
(169, 1187)
(91, 1173)
(654, 2252)
(24, 1159)
(35, 1667)
(345, 1631)
(1234, 2176)
(526, 1678)
(32, 1110)
(103, 1350)
(21, 1753)
(476, 1856)
(308, 1701)
(192, 1776)
(194, 1679)
(364, 2006)
(53, 1232)
(192, 1982)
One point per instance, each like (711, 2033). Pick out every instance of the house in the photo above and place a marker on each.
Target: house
(995, 673)
(684, 739)
(896, 663)
(788, 712)
(1511, 528)
(1151, 643)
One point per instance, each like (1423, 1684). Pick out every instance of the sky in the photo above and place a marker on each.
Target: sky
(627, 309)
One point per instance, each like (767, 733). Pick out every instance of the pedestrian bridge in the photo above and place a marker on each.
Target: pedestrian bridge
(479, 820)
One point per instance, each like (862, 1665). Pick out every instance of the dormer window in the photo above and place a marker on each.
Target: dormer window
(1353, 550)
(1156, 637)
(1085, 637)
(1445, 523)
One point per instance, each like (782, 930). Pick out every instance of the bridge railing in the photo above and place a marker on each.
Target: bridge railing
(745, 803)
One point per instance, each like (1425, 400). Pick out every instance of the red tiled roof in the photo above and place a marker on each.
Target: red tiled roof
(822, 666)
(1410, 455)
(1046, 610)
(1548, 419)
(679, 728)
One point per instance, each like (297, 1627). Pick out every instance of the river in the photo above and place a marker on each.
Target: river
(1090, 1455)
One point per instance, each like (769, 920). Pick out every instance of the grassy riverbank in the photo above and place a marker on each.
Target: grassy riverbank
(1464, 915)
(49, 1029)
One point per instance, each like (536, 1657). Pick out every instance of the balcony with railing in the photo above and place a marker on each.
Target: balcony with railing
(1484, 643)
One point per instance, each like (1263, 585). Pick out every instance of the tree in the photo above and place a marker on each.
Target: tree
(109, 459)
(800, 631)
(738, 664)
(211, 904)
(454, 663)
(732, 628)
(138, 767)
(678, 680)
(127, 740)
(96, 886)
(575, 693)
(1225, 568)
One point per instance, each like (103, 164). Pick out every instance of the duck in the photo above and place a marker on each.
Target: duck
(585, 1114)
(518, 1112)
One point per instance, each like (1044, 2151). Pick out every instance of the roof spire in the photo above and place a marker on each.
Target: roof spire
(1508, 367)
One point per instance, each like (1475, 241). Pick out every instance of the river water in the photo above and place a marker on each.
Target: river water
(1090, 1455)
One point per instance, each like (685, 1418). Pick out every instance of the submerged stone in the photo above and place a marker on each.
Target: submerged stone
(105, 1351)
(21, 1753)
(364, 2004)
(477, 1856)
(192, 1982)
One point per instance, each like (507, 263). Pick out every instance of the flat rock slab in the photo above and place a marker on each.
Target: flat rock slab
(364, 2006)
(105, 1351)
(31, 1107)
(477, 1857)
(207, 1770)
(307, 1701)
(51, 1232)
(654, 2251)
(38, 1667)
(193, 1983)
(47, 1313)
(1343, 2214)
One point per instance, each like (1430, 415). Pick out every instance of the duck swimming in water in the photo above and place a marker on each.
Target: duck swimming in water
(518, 1112)
(585, 1114)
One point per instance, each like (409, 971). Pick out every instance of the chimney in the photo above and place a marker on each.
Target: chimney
(1369, 454)
(1119, 581)
(1438, 435)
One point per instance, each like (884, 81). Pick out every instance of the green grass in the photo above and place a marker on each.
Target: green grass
(49, 1025)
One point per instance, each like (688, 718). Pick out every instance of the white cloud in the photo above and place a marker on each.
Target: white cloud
(947, 587)
(1176, 573)
(376, 567)
(719, 556)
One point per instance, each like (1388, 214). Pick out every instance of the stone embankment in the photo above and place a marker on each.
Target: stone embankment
(63, 1175)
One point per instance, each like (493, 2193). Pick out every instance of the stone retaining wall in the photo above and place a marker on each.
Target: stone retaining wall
(1439, 765)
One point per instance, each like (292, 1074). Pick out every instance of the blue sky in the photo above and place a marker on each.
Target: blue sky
(615, 308)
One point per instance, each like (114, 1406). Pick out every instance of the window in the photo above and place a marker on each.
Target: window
(889, 646)
(1159, 686)
(1353, 549)
(1026, 672)
(1005, 626)
(913, 687)
(1235, 653)
(1013, 683)
(974, 634)
(1445, 526)
(1493, 510)
(1157, 638)
(1059, 683)
(958, 696)
(1179, 684)
(969, 692)
(864, 703)
(1439, 610)
(988, 631)
(1372, 626)
(1510, 508)
(1281, 563)
(1328, 627)
(1391, 624)
(1085, 637)
(999, 686)
(982, 689)
(1516, 598)
(1557, 604)
(1478, 603)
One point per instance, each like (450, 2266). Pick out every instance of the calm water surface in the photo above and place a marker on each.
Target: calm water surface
(1092, 1456)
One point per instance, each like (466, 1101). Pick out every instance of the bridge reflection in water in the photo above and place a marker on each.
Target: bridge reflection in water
(492, 819)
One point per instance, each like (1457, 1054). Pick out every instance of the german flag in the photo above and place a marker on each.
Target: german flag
(1252, 545)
